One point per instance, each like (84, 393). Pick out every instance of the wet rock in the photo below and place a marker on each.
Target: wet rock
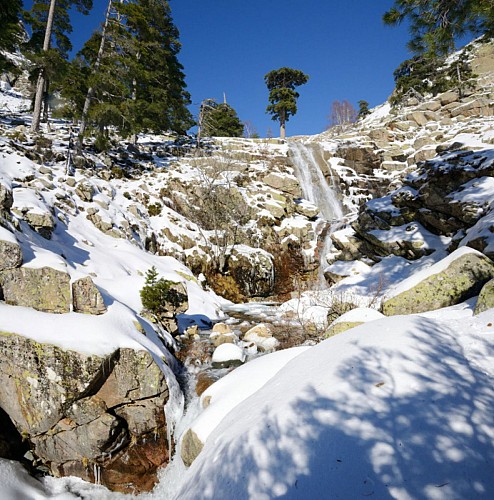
(207, 378)
(253, 271)
(86, 415)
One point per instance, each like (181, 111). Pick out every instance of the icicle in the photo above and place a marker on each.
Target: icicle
(97, 474)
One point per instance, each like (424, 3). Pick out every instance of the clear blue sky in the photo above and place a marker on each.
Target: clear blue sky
(229, 45)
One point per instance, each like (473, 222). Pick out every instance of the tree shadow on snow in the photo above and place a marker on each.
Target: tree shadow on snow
(393, 427)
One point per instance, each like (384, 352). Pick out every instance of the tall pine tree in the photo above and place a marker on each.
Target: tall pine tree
(139, 84)
(49, 44)
(10, 31)
(435, 24)
(281, 84)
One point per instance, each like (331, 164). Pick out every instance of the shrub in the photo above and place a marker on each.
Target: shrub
(158, 295)
(226, 286)
(154, 209)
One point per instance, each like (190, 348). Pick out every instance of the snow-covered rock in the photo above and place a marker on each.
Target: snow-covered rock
(451, 281)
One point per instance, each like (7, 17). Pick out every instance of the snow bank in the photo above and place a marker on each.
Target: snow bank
(404, 411)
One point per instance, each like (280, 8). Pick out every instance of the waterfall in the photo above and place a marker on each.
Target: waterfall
(316, 189)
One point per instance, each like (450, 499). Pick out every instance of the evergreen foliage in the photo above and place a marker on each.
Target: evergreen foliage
(10, 32)
(219, 120)
(140, 84)
(49, 45)
(435, 24)
(363, 109)
(158, 294)
(281, 84)
(431, 75)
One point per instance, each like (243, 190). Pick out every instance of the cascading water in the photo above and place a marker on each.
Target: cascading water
(316, 189)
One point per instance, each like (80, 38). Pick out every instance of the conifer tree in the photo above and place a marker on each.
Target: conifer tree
(363, 109)
(219, 120)
(10, 29)
(49, 43)
(136, 81)
(281, 84)
(435, 24)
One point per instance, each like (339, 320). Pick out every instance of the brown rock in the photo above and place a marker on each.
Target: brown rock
(86, 298)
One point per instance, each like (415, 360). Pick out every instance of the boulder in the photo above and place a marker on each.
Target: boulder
(284, 182)
(220, 328)
(418, 117)
(44, 289)
(85, 191)
(86, 298)
(191, 447)
(262, 337)
(351, 319)
(99, 418)
(228, 355)
(10, 250)
(478, 107)
(486, 298)
(451, 281)
(6, 198)
(448, 97)
(225, 338)
(253, 271)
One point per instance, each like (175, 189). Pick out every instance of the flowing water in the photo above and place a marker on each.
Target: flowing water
(315, 188)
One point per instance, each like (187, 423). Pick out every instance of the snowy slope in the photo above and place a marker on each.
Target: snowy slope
(401, 408)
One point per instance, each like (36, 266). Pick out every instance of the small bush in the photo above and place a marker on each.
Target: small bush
(158, 295)
(154, 209)
(117, 172)
(226, 286)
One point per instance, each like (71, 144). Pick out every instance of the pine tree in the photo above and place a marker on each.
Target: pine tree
(435, 24)
(281, 84)
(136, 82)
(363, 109)
(49, 44)
(219, 120)
(10, 32)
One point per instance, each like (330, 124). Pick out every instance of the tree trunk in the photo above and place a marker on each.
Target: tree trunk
(40, 87)
(90, 91)
(282, 125)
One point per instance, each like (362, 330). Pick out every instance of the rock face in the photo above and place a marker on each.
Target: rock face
(463, 278)
(44, 289)
(253, 271)
(86, 298)
(486, 298)
(10, 255)
(97, 418)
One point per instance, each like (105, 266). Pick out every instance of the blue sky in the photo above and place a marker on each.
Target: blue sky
(229, 45)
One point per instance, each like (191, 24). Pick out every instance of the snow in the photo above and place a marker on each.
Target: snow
(228, 352)
(398, 408)
(436, 268)
(237, 386)
(359, 315)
